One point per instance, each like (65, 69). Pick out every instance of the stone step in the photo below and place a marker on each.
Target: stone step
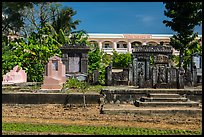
(151, 99)
(166, 104)
(163, 95)
(131, 109)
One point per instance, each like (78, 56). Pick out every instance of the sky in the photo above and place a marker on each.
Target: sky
(121, 17)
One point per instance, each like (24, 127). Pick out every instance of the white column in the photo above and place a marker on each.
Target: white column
(115, 45)
(129, 47)
(144, 43)
(100, 45)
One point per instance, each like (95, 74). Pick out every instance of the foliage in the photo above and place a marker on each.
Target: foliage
(12, 20)
(184, 39)
(72, 83)
(64, 21)
(98, 60)
(121, 60)
(151, 60)
(38, 16)
(31, 54)
(175, 60)
(93, 130)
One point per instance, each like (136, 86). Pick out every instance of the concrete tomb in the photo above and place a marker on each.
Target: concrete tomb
(17, 75)
(54, 74)
(75, 59)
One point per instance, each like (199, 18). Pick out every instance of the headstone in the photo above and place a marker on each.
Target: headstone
(188, 77)
(130, 73)
(173, 77)
(180, 80)
(55, 74)
(17, 75)
(141, 77)
(109, 75)
(74, 64)
(194, 75)
(95, 76)
(135, 77)
(75, 59)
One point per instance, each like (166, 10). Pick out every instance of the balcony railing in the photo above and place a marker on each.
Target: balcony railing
(122, 50)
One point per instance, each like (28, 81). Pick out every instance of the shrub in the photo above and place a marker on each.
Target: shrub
(121, 60)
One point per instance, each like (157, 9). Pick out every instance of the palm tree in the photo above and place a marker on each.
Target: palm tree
(65, 22)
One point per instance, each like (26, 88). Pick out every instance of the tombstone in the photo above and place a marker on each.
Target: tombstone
(173, 77)
(17, 75)
(141, 77)
(180, 77)
(108, 76)
(194, 73)
(130, 73)
(95, 76)
(54, 74)
(141, 58)
(75, 59)
(161, 65)
(188, 78)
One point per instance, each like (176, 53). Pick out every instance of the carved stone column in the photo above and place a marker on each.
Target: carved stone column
(130, 79)
(65, 60)
(84, 63)
(135, 77)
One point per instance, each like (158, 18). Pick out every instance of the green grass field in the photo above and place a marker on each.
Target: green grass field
(93, 130)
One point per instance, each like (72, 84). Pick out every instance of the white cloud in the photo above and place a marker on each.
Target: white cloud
(145, 18)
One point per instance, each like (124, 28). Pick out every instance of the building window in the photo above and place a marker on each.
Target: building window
(107, 45)
(124, 45)
(118, 45)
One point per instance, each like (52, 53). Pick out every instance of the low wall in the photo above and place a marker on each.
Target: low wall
(129, 95)
(49, 98)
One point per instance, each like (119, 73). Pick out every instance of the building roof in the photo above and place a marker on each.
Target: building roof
(129, 36)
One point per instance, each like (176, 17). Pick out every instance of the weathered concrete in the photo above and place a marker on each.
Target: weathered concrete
(49, 98)
(131, 93)
(166, 104)
(131, 109)
(151, 99)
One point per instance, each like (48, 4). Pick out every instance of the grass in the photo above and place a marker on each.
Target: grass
(93, 130)
(90, 88)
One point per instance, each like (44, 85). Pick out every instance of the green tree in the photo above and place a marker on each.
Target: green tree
(121, 60)
(12, 16)
(98, 60)
(64, 20)
(38, 16)
(184, 17)
(31, 54)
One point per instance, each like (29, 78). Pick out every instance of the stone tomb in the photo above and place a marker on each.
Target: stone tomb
(17, 75)
(75, 59)
(54, 74)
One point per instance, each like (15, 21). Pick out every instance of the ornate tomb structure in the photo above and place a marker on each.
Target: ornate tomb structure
(155, 76)
(75, 59)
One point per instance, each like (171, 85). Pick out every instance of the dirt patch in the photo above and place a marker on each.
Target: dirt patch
(58, 114)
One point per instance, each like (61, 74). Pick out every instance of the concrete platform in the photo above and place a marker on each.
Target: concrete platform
(166, 104)
(151, 99)
(131, 109)
(163, 95)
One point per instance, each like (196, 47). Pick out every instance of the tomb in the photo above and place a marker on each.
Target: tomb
(75, 59)
(54, 74)
(17, 75)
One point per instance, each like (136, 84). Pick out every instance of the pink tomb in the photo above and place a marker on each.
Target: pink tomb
(17, 75)
(54, 74)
